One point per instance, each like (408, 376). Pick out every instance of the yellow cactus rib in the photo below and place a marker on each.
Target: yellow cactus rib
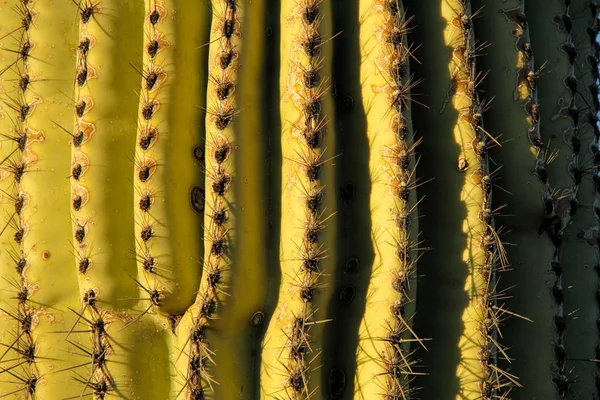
(525, 184)
(102, 214)
(168, 200)
(223, 328)
(105, 115)
(48, 73)
(385, 365)
(21, 366)
(291, 352)
(478, 374)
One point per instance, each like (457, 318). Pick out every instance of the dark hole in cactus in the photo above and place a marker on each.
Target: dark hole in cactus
(23, 294)
(18, 169)
(542, 171)
(310, 263)
(556, 268)
(198, 152)
(89, 298)
(98, 327)
(577, 175)
(311, 234)
(560, 324)
(25, 322)
(27, 19)
(87, 13)
(24, 82)
(76, 171)
(31, 384)
(298, 350)
(225, 59)
(569, 48)
(311, 78)
(78, 139)
(173, 322)
(197, 393)
(395, 37)
(576, 143)
(552, 227)
(98, 357)
(19, 202)
(220, 216)
(82, 76)
(223, 119)
(25, 49)
(77, 202)
(152, 48)
(80, 108)
(224, 89)
(222, 152)
(567, 23)
(147, 138)
(19, 235)
(198, 334)
(392, 7)
(231, 4)
(145, 202)
(197, 198)
(218, 247)
(148, 110)
(574, 114)
(296, 380)
(307, 292)
(347, 294)
(24, 111)
(557, 293)
(221, 184)
(573, 206)
(144, 173)
(208, 308)
(571, 82)
(151, 79)
(156, 297)
(154, 17)
(228, 28)
(214, 277)
(80, 233)
(146, 233)
(310, 13)
(149, 264)
(400, 284)
(257, 319)
(312, 136)
(84, 46)
(347, 103)
(352, 264)
(348, 191)
(313, 202)
(21, 140)
(21, 263)
(312, 45)
(312, 170)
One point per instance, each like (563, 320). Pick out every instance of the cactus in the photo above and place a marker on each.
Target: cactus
(299, 199)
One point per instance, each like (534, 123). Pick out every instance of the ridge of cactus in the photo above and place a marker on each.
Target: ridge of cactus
(387, 365)
(291, 353)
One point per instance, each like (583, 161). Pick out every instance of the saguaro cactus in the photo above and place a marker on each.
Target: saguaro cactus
(299, 199)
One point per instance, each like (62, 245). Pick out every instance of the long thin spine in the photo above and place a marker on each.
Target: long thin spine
(291, 354)
(168, 200)
(477, 371)
(386, 366)
(532, 216)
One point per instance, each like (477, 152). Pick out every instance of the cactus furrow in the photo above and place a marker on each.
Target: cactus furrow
(291, 354)
(386, 364)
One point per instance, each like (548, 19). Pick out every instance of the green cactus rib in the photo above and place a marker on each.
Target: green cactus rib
(579, 254)
(529, 198)
(385, 335)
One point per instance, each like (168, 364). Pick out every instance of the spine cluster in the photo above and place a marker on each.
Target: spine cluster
(18, 358)
(393, 61)
(223, 64)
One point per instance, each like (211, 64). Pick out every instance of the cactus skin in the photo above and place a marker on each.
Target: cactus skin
(307, 289)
